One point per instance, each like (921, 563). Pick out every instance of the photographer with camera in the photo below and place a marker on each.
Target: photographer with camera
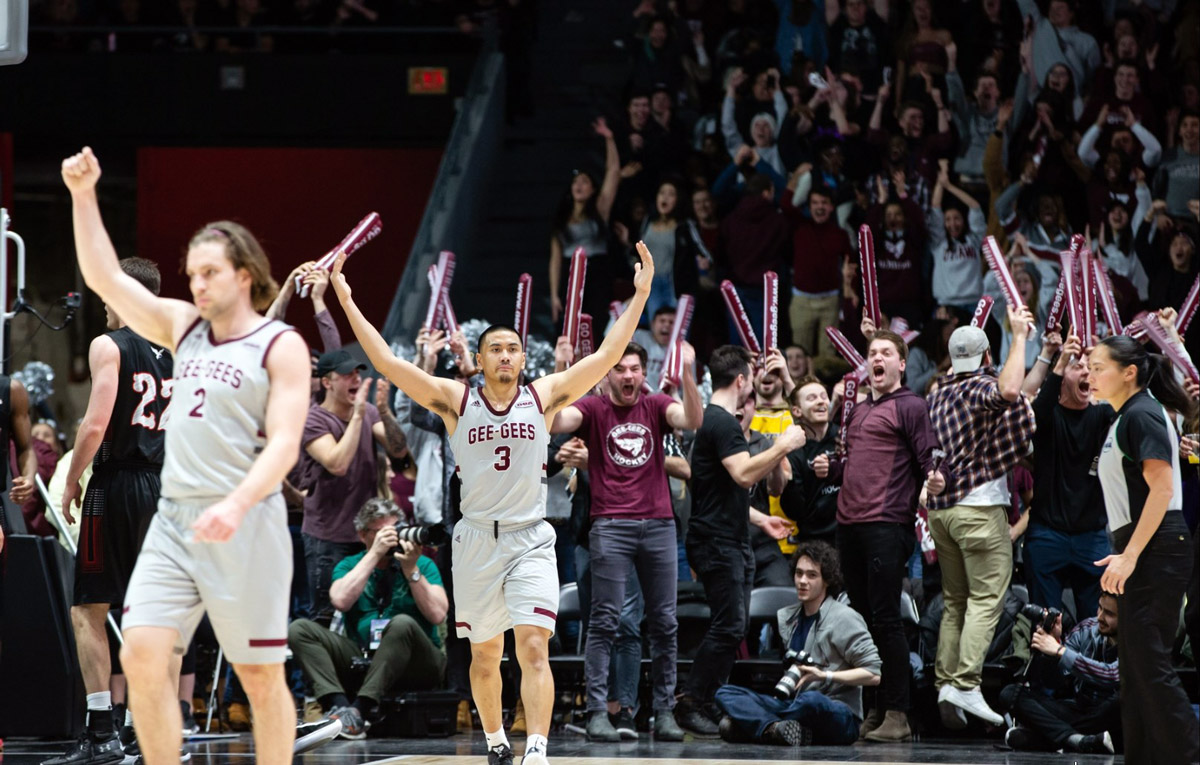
(1088, 658)
(392, 598)
(830, 655)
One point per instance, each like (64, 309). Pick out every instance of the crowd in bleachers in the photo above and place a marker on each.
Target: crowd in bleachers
(1045, 126)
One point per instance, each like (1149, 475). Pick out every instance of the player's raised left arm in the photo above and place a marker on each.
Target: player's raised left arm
(287, 402)
(561, 389)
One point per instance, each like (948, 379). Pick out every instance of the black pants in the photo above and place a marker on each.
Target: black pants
(771, 569)
(873, 559)
(1157, 717)
(1056, 720)
(726, 569)
(1191, 615)
(320, 558)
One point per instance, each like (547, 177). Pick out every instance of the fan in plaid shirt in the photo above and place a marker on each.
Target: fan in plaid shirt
(982, 432)
(984, 423)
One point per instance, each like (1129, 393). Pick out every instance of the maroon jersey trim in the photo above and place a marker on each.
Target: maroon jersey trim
(271, 344)
(188, 331)
(267, 642)
(536, 400)
(213, 341)
(492, 409)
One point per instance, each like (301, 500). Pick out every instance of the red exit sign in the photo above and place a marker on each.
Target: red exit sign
(427, 80)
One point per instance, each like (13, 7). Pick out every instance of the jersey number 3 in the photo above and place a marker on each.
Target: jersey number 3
(504, 454)
(146, 384)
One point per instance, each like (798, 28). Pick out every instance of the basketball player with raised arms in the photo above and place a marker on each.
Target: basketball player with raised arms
(219, 541)
(505, 571)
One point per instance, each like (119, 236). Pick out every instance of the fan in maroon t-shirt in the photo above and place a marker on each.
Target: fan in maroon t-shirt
(632, 525)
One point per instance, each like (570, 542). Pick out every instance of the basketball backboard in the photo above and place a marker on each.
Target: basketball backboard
(14, 31)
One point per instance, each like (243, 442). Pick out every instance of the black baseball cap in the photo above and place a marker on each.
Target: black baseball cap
(339, 361)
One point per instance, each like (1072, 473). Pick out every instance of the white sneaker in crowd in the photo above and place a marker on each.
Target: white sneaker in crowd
(971, 701)
(953, 718)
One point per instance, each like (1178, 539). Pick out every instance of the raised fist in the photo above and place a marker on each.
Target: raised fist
(81, 171)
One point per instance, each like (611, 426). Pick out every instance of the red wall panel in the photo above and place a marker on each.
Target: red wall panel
(298, 202)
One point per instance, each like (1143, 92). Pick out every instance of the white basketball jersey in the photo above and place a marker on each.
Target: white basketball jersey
(501, 458)
(219, 411)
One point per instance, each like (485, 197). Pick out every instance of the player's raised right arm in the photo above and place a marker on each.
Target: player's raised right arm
(159, 320)
(434, 393)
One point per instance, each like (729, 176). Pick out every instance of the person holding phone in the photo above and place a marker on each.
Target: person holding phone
(1152, 560)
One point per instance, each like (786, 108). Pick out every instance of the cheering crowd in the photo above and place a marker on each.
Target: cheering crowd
(753, 138)
(930, 486)
(762, 138)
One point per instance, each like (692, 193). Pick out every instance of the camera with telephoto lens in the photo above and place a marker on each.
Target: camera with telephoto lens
(422, 535)
(787, 685)
(1040, 615)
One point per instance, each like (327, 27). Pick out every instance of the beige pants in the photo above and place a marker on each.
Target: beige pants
(810, 316)
(975, 554)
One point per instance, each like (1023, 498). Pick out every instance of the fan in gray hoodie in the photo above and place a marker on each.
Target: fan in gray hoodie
(1057, 40)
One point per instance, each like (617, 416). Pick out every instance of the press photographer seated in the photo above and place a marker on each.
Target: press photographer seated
(1085, 721)
(827, 705)
(392, 598)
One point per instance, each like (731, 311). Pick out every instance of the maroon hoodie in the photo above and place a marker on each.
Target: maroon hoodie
(889, 451)
(817, 251)
(755, 238)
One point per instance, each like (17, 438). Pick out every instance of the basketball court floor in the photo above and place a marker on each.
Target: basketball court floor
(465, 749)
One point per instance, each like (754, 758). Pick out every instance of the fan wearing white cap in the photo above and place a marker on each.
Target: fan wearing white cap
(984, 423)
(968, 346)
